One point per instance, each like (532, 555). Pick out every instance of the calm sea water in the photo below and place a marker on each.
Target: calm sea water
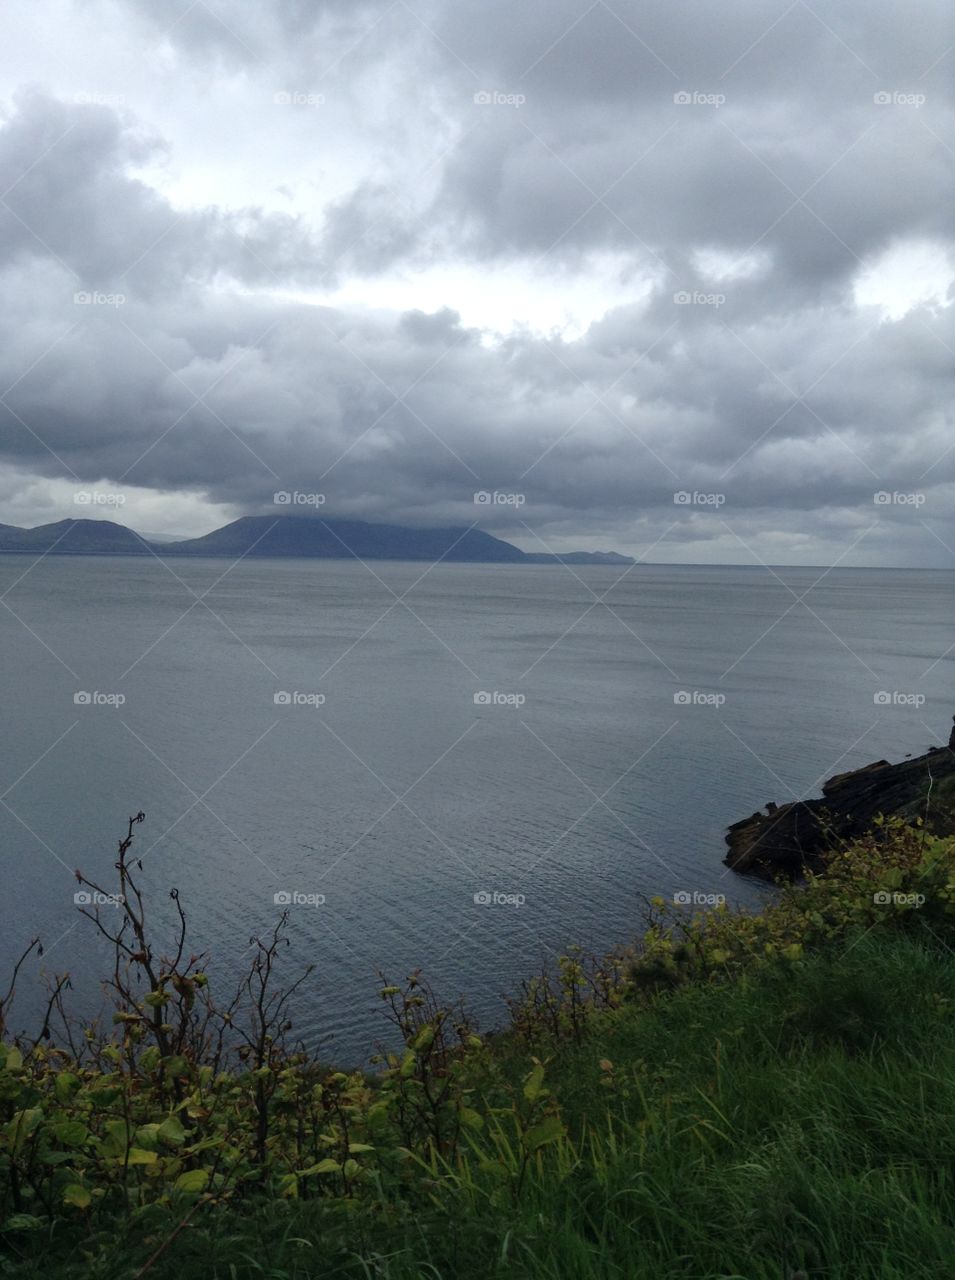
(620, 725)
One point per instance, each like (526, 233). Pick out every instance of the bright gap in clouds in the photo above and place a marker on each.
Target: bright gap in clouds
(501, 299)
(29, 500)
(723, 267)
(905, 276)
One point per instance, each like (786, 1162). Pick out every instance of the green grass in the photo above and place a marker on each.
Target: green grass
(798, 1120)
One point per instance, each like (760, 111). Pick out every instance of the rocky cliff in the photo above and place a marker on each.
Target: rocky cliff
(788, 838)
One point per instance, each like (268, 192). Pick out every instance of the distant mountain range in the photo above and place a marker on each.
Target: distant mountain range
(308, 537)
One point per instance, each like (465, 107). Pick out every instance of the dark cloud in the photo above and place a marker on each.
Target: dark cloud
(70, 199)
(747, 368)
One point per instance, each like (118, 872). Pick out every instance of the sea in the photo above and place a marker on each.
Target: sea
(462, 769)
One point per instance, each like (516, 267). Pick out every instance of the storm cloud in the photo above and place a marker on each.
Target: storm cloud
(679, 275)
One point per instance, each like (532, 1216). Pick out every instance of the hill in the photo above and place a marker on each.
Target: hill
(344, 539)
(306, 537)
(579, 557)
(74, 537)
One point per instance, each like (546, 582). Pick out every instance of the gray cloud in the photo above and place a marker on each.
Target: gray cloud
(771, 386)
(70, 199)
(229, 32)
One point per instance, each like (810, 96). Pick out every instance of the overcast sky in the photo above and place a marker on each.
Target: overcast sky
(593, 254)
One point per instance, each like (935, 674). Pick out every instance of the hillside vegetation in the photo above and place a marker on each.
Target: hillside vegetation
(768, 1096)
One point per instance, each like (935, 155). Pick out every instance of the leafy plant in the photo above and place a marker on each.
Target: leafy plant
(187, 1112)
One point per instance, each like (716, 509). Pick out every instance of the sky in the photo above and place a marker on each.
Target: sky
(662, 277)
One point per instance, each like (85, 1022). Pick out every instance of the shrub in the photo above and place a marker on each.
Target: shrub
(187, 1102)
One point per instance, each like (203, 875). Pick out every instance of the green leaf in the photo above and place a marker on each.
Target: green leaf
(24, 1222)
(471, 1119)
(193, 1180)
(171, 1132)
(539, 1135)
(13, 1058)
(77, 1196)
(53, 1158)
(423, 1040)
(115, 1138)
(72, 1133)
(104, 1097)
(147, 1135)
(323, 1166)
(21, 1126)
(356, 1148)
(65, 1085)
(138, 1155)
(10, 1087)
(534, 1083)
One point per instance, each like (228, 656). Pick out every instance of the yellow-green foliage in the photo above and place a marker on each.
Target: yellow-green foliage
(143, 1119)
(898, 875)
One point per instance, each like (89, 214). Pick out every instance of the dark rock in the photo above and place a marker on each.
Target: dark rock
(791, 838)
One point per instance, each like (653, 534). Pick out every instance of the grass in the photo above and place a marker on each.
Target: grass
(795, 1121)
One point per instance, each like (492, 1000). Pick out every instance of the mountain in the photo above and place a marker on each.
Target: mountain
(343, 540)
(74, 537)
(578, 557)
(307, 537)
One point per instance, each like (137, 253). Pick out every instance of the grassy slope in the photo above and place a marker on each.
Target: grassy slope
(797, 1121)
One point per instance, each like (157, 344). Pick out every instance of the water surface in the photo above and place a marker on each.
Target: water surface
(582, 784)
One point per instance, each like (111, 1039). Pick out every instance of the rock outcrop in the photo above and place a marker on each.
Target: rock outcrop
(789, 838)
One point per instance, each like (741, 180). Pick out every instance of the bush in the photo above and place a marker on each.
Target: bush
(187, 1108)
